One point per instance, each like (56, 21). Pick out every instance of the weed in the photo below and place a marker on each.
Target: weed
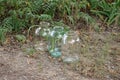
(20, 38)
(2, 33)
(107, 11)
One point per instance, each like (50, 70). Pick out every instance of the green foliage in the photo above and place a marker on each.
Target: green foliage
(45, 17)
(20, 38)
(2, 34)
(19, 14)
(107, 12)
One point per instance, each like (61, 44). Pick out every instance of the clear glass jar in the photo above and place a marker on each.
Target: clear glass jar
(70, 50)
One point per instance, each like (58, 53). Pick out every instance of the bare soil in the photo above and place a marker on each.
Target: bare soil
(15, 64)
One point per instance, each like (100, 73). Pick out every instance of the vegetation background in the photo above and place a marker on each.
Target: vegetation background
(17, 15)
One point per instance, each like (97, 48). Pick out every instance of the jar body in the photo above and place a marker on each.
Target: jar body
(54, 47)
(70, 50)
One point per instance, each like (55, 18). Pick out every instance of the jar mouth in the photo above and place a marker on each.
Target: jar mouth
(73, 37)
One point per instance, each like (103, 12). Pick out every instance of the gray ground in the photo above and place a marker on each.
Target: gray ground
(15, 64)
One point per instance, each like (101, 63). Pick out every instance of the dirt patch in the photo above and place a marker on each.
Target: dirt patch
(16, 65)
(99, 55)
(98, 52)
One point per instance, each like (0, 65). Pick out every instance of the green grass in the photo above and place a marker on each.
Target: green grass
(107, 12)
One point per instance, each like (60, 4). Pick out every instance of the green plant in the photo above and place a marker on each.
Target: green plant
(20, 38)
(2, 33)
(106, 11)
(21, 14)
(70, 10)
(18, 14)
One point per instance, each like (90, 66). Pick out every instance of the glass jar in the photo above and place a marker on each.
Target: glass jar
(70, 50)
